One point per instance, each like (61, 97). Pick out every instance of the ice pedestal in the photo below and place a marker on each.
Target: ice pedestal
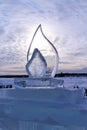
(38, 82)
(42, 109)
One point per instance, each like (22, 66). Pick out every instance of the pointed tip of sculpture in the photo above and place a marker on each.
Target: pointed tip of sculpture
(40, 25)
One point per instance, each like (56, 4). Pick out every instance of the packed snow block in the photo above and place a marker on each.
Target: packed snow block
(58, 95)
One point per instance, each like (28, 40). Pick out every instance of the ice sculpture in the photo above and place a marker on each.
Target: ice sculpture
(36, 66)
(40, 104)
(47, 52)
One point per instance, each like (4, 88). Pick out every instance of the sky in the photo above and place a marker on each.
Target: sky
(63, 22)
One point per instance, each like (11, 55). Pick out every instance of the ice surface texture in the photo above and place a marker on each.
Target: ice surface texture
(36, 66)
(45, 49)
(20, 106)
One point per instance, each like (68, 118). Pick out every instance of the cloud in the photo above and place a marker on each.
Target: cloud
(65, 18)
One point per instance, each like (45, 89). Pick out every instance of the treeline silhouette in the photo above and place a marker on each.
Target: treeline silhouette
(13, 76)
(57, 75)
(70, 74)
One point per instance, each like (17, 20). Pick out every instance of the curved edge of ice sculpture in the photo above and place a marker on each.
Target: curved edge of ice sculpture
(40, 67)
(57, 56)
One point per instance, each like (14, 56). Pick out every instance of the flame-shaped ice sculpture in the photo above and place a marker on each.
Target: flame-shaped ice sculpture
(47, 52)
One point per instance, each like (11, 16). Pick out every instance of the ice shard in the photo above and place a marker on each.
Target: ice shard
(36, 66)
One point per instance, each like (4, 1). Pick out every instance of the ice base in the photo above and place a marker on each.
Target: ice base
(42, 109)
(38, 82)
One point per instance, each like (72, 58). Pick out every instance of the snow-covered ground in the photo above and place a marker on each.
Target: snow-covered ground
(68, 81)
(75, 81)
(6, 81)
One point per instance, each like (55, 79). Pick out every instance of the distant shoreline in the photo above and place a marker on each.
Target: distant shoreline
(71, 74)
(57, 75)
(12, 76)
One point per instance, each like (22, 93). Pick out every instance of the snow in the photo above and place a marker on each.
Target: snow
(75, 81)
(6, 81)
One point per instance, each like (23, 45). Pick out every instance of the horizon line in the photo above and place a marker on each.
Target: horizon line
(61, 74)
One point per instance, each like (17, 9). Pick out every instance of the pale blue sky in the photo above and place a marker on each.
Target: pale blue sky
(66, 20)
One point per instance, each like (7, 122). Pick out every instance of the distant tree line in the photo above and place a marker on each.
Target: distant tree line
(57, 75)
(70, 74)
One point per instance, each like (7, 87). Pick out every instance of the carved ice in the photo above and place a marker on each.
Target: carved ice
(47, 51)
(42, 57)
(36, 66)
(41, 105)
